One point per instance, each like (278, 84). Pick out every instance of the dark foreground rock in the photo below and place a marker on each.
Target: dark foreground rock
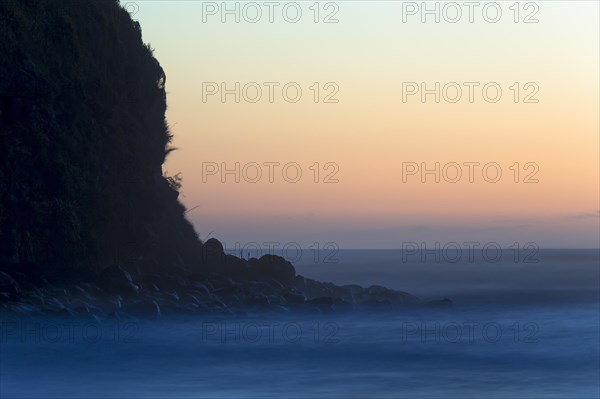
(269, 284)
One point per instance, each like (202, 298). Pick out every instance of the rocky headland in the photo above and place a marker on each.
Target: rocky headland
(90, 225)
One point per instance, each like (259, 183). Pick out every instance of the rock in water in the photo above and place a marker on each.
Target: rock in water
(273, 266)
(145, 307)
(118, 281)
(294, 296)
(213, 253)
(8, 285)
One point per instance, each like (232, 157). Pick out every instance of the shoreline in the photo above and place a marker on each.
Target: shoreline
(115, 293)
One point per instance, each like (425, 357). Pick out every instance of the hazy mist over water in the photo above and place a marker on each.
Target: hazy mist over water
(527, 276)
(516, 331)
(502, 275)
(499, 352)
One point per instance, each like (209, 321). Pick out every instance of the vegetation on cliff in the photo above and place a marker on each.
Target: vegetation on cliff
(83, 137)
(88, 223)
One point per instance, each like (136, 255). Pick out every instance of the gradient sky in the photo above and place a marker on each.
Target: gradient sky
(370, 132)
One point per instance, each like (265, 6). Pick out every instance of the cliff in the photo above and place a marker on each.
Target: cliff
(83, 138)
(89, 226)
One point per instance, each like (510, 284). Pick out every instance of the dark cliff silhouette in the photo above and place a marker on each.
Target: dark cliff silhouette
(89, 226)
(82, 140)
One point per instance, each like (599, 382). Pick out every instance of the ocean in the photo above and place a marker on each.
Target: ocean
(516, 330)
